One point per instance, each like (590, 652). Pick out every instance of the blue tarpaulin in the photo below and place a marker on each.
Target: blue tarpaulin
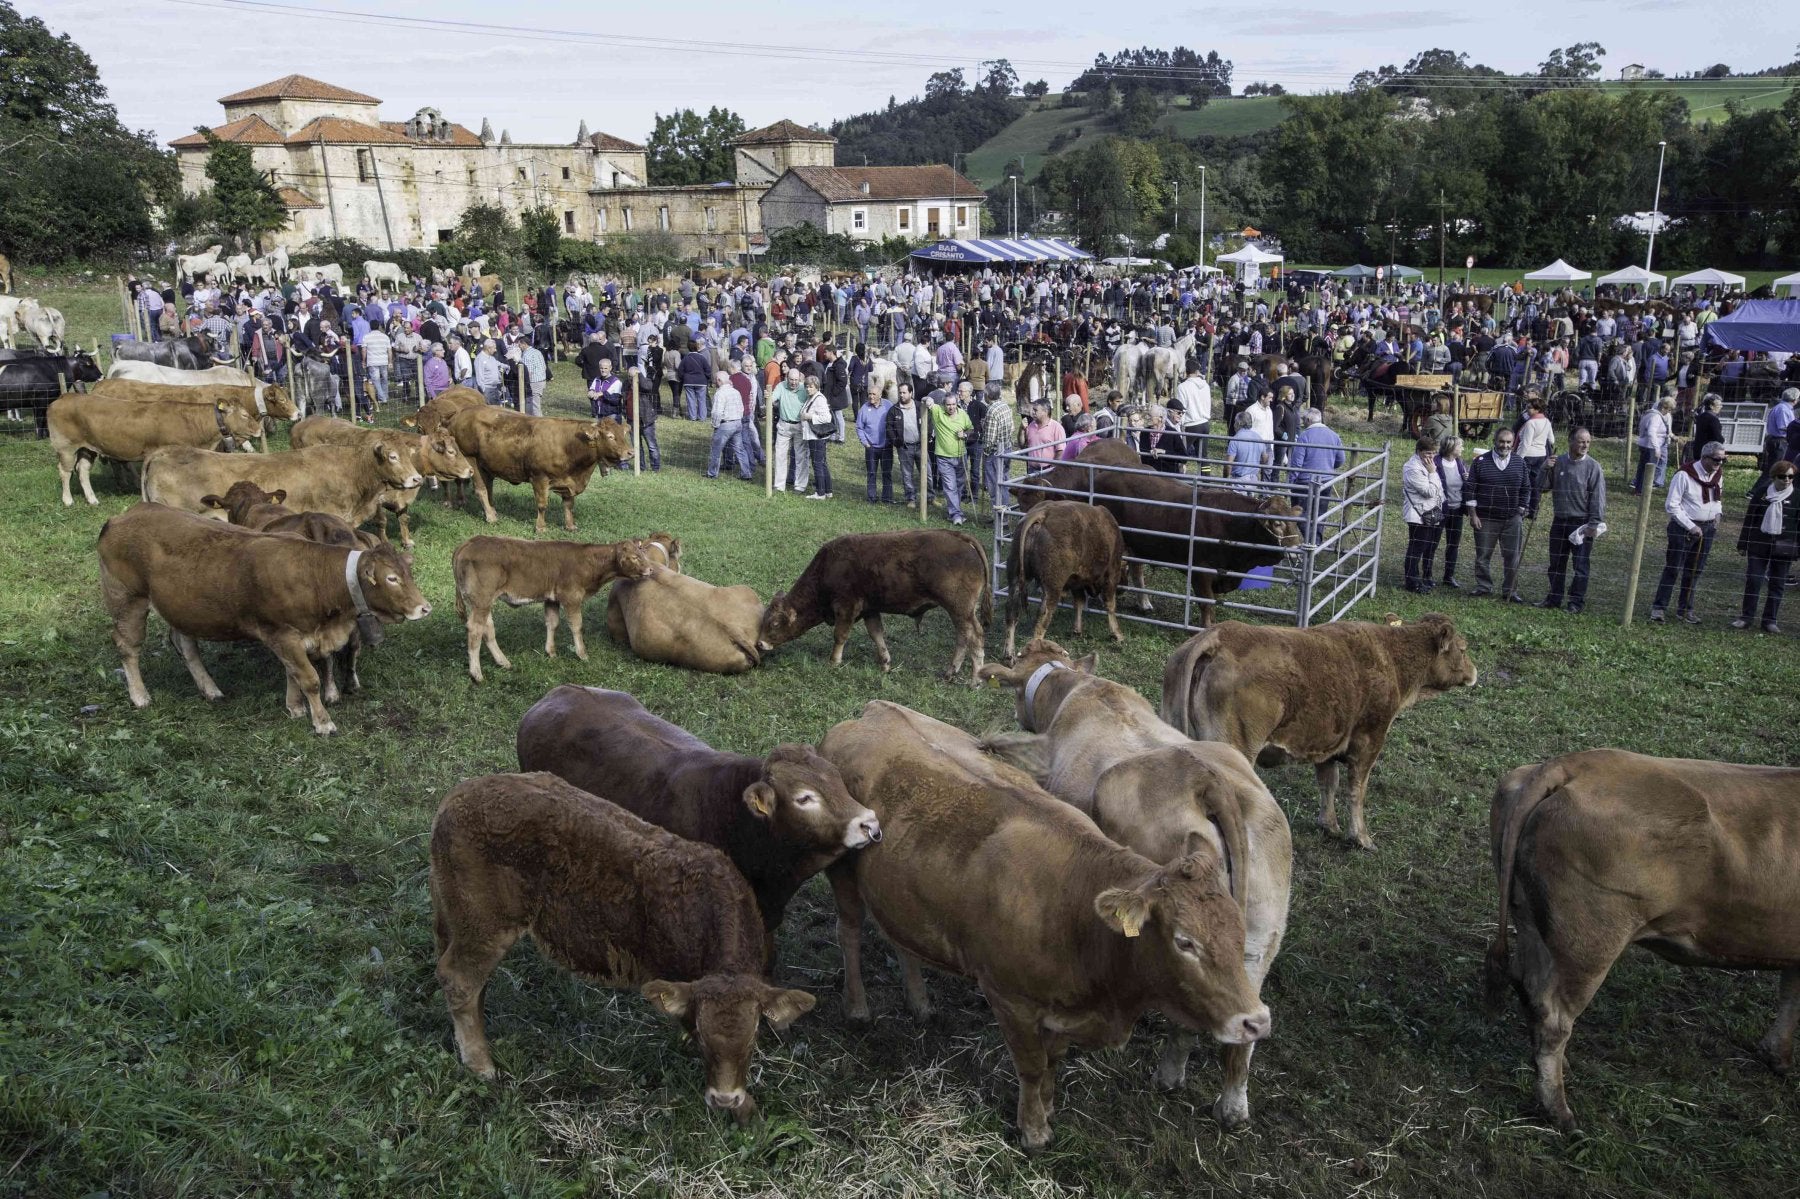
(1762, 325)
(980, 251)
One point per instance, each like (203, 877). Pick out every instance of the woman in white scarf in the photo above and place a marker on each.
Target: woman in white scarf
(1769, 539)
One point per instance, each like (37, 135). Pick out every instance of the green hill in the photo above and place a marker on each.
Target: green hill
(1030, 136)
(1706, 98)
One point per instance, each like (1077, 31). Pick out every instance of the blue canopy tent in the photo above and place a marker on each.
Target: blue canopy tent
(988, 251)
(1760, 325)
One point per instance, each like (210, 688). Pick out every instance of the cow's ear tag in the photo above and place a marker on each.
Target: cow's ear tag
(1131, 921)
(993, 681)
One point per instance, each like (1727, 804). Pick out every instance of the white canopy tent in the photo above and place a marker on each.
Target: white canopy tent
(1249, 260)
(1791, 282)
(1559, 272)
(1710, 277)
(1635, 276)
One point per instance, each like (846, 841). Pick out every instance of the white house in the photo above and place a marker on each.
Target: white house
(868, 203)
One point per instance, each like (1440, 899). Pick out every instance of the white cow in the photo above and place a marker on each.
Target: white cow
(278, 262)
(45, 324)
(883, 377)
(443, 276)
(9, 314)
(378, 272)
(237, 267)
(198, 266)
(473, 270)
(1126, 362)
(329, 272)
(259, 271)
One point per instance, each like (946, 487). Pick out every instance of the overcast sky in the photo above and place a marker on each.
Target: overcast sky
(165, 62)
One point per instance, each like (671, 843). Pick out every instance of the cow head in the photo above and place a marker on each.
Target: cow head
(1279, 521)
(394, 464)
(664, 549)
(242, 498)
(239, 425)
(720, 1012)
(609, 441)
(1448, 665)
(279, 403)
(83, 369)
(1187, 934)
(440, 457)
(780, 624)
(387, 585)
(803, 799)
(1037, 654)
(629, 560)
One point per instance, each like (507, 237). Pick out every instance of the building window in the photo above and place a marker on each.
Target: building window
(627, 216)
(662, 218)
(931, 222)
(962, 216)
(709, 254)
(446, 236)
(365, 165)
(568, 220)
(615, 181)
(522, 178)
(471, 176)
(859, 220)
(565, 174)
(904, 221)
(712, 219)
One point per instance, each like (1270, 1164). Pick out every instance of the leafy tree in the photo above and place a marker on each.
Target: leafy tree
(486, 231)
(1717, 71)
(949, 119)
(944, 83)
(998, 75)
(1037, 89)
(1579, 63)
(540, 238)
(1176, 72)
(1137, 115)
(243, 204)
(686, 148)
(74, 182)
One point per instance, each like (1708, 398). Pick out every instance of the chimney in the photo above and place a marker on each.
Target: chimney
(506, 137)
(865, 187)
(487, 132)
(582, 136)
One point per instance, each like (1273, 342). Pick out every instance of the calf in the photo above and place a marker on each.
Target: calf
(610, 897)
(560, 574)
(1070, 936)
(85, 427)
(1698, 862)
(1098, 746)
(780, 819)
(433, 455)
(906, 573)
(551, 455)
(1064, 546)
(669, 617)
(213, 582)
(346, 481)
(1327, 695)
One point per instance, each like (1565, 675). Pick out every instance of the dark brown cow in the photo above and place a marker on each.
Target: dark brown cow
(780, 819)
(1327, 695)
(1064, 546)
(1070, 936)
(902, 574)
(1158, 530)
(559, 574)
(551, 455)
(215, 582)
(1698, 862)
(608, 896)
(128, 429)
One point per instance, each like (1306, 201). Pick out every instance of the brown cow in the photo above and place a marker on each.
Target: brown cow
(85, 427)
(1698, 862)
(1070, 936)
(1098, 746)
(1064, 546)
(1156, 512)
(438, 410)
(550, 454)
(1327, 695)
(905, 573)
(606, 895)
(346, 481)
(780, 819)
(434, 456)
(669, 617)
(215, 582)
(559, 574)
(258, 399)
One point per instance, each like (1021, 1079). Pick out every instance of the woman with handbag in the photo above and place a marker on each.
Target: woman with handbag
(817, 424)
(1422, 508)
(1771, 540)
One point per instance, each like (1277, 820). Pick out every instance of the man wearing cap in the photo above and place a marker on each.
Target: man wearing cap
(1693, 504)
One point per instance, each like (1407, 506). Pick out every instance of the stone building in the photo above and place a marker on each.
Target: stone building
(870, 203)
(342, 171)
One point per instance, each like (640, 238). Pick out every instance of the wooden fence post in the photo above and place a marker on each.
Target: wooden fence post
(350, 377)
(520, 372)
(637, 429)
(924, 462)
(768, 440)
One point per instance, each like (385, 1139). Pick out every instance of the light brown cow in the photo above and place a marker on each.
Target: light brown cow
(606, 895)
(1326, 695)
(1070, 936)
(1099, 746)
(85, 427)
(215, 582)
(672, 618)
(434, 456)
(1064, 546)
(346, 481)
(550, 454)
(559, 574)
(1698, 862)
(261, 400)
(438, 410)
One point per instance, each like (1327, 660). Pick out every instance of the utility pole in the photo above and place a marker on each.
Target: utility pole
(1440, 241)
(1662, 148)
(1015, 205)
(1177, 184)
(1202, 214)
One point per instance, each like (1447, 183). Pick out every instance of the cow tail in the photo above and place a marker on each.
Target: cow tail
(986, 599)
(456, 575)
(1516, 798)
(1180, 675)
(1015, 561)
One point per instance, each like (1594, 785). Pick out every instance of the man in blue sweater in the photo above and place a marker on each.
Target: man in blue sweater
(1498, 494)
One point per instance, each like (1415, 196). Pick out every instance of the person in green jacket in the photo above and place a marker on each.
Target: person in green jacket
(951, 430)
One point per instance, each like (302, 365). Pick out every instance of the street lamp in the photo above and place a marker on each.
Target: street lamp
(1015, 205)
(1662, 148)
(1177, 184)
(1203, 215)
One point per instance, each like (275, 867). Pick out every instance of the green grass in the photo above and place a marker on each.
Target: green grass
(1031, 134)
(1454, 273)
(215, 955)
(1706, 99)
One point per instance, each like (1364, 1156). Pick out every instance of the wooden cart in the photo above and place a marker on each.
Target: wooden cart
(1476, 411)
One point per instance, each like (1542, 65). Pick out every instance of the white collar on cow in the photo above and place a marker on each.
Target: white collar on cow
(355, 584)
(256, 391)
(1037, 678)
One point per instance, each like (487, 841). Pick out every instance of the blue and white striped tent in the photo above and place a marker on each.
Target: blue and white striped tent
(987, 250)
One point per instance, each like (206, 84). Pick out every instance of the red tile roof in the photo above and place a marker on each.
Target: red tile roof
(293, 197)
(781, 131)
(297, 87)
(251, 130)
(842, 184)
(339, 131)
(606, 141)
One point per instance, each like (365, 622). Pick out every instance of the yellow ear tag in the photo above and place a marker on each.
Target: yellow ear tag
(993, 680)
(1130, 922)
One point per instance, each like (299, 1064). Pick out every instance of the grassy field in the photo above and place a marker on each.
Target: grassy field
(1030, 135)
(1454, 274)
(1706, 99)
(214, 926)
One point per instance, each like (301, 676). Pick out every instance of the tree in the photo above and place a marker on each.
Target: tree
(1137, 115)
(74, 182)
(1717, 71)
(686, 148)
(1579, 63)
(944, 83)
(1037, 89)
(998, 75)
(243, 204)
(540, 238)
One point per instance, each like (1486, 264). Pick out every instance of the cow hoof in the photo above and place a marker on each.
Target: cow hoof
(1328, 827)
(1231, 1119)
(1779, 1064)
(406, 545)
(1171, 1080)
(325, 730)
(1034, 1143)
(494, 520)
(858, 1013)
